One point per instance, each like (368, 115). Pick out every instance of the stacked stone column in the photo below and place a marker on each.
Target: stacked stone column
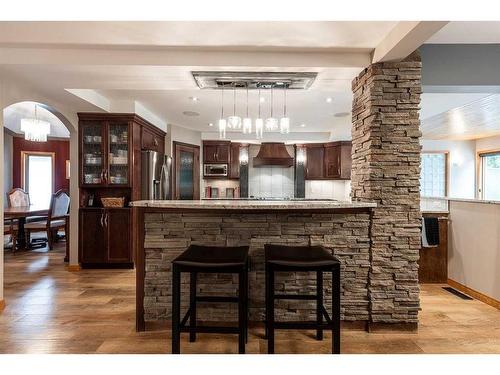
(386, 170)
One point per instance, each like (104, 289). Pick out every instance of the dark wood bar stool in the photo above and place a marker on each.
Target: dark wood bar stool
(208, 259)
(280, 258)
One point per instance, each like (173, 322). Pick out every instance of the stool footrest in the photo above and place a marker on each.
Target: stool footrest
(210, 329)
(296, 296)
(301, 325)
(216, 299)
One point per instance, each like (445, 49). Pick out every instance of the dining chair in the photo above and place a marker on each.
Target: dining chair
(10, 228)
(58, 218)
(17, 197)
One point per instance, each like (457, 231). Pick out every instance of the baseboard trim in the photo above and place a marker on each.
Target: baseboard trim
(475, 294)
(74, 267)
(2, 304)
(382, 327)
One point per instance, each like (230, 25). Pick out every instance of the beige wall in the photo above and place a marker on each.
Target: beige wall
(474, 246)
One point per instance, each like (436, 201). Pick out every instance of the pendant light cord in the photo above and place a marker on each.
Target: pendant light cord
(272, 100)
(222, 106)
(234, 100)
(259, 102)
(247, 100)
(284, 103)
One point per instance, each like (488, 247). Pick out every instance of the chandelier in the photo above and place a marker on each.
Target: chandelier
(270, 124)
(34, 129)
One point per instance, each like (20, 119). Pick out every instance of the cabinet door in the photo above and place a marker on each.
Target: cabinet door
(209, 154)
(151, 141)
(314, 162)
(345, 161)
(93, 236)
(234, 167)
(223, 153)
(332, 162)
(118, 170)
(92, 153)
(117, 222)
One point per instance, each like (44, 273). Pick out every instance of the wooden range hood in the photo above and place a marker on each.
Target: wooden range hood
(273, 154)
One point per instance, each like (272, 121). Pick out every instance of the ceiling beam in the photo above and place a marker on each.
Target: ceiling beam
(226, 57)
(404, 38)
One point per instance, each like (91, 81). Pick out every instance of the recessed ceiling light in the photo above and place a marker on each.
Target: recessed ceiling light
(190, 113)
(329, 99)
(194, 98)
(342, 114)
(302, 125)
(211, 124)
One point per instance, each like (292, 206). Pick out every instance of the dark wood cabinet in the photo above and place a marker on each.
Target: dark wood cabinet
(110, 147)
(433, 261)
(315, 154)
(234, 165)
(328, 161)
(216, 152)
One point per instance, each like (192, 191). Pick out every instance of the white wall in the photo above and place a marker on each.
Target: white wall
(462, 165)
(7, 160)
(474, 246)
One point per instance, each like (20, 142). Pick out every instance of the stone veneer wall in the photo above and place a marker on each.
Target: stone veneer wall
(168, 234)
(386, 170)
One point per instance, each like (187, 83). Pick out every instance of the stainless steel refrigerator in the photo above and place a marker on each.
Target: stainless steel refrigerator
(156, 175)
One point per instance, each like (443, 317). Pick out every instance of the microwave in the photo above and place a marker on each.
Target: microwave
(215, 170)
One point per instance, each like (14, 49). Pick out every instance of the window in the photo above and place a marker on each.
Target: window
(38, 177)
(433, 174)
(490, 175)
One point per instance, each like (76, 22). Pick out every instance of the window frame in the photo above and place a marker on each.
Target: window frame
(479, 169)
(25, 168)
(446, 170)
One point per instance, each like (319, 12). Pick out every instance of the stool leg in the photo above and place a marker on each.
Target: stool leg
(270, 311)
(336, 310)
(241, 311)
(319, 304)
(192, 305)
(176, 307)
(266, 291)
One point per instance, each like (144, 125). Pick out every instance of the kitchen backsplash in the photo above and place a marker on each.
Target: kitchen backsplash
(221, 185)
(269, 182)
(327, 189)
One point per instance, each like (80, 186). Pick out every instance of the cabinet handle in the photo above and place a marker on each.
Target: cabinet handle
(155, 141)
(102, 219)
(102, 176)
(106, 176)
(106, 220)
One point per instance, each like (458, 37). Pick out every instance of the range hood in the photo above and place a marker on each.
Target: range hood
(273, 154)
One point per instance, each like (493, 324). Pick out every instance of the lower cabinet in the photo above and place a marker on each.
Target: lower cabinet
(105, 237)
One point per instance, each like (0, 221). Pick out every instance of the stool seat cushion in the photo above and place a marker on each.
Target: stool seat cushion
(299, 256)
(213, 256)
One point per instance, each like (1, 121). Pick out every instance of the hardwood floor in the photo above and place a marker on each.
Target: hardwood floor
(51, 310)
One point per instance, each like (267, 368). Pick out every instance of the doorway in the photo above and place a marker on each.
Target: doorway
(186, 171)
(38, 176)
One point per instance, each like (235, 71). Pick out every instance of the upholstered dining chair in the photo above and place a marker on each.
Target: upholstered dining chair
(17, 197)
(58, 218)
(10, 228)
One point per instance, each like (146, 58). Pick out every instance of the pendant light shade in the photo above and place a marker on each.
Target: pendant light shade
(271, 122)
(222, 120)
(259, 128)
(35, 130)
(284, 121)
(234, 122)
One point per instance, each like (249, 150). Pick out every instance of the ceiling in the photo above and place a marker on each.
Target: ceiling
(15, 112)
(467, 32)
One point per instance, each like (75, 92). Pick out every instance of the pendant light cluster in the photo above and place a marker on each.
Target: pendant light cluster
(271, 124)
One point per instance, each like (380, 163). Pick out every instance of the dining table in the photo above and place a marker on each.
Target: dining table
(21, 213)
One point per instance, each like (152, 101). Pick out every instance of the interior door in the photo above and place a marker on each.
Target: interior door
(187, 171)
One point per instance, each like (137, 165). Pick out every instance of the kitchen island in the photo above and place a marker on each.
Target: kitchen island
(164, 229)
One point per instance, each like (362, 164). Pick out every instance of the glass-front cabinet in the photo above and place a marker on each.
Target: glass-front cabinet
(105, 155)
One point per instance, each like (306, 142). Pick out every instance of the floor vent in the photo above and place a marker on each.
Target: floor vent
(457, 293)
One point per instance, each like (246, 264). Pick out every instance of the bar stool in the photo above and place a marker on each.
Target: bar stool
(209, 259)
(280, 258)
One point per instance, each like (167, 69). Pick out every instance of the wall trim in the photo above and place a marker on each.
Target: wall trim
(74, 267)
(475, 294)
(2, 304)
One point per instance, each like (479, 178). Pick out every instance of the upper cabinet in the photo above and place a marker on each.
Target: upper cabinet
(234, 167)
(330, 161)
(152, 139)
(216, 152)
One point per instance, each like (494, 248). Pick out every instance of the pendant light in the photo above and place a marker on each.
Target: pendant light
(222, 120)
(234, 122)
(284, 121)
(259, 124)
(272, 122)
(247, 121)
(34, 129)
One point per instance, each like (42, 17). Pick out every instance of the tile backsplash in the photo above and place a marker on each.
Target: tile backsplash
(269, 182)
(328, 189)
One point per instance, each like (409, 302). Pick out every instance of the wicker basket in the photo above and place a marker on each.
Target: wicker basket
(113, 202)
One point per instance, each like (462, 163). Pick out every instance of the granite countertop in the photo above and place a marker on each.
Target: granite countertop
(252, 204)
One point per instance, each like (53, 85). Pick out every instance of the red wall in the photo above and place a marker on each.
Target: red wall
(61, 150)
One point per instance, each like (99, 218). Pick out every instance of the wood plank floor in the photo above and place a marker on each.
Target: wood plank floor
(51, 310)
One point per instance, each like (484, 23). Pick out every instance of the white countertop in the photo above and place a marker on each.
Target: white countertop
(252, 204)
